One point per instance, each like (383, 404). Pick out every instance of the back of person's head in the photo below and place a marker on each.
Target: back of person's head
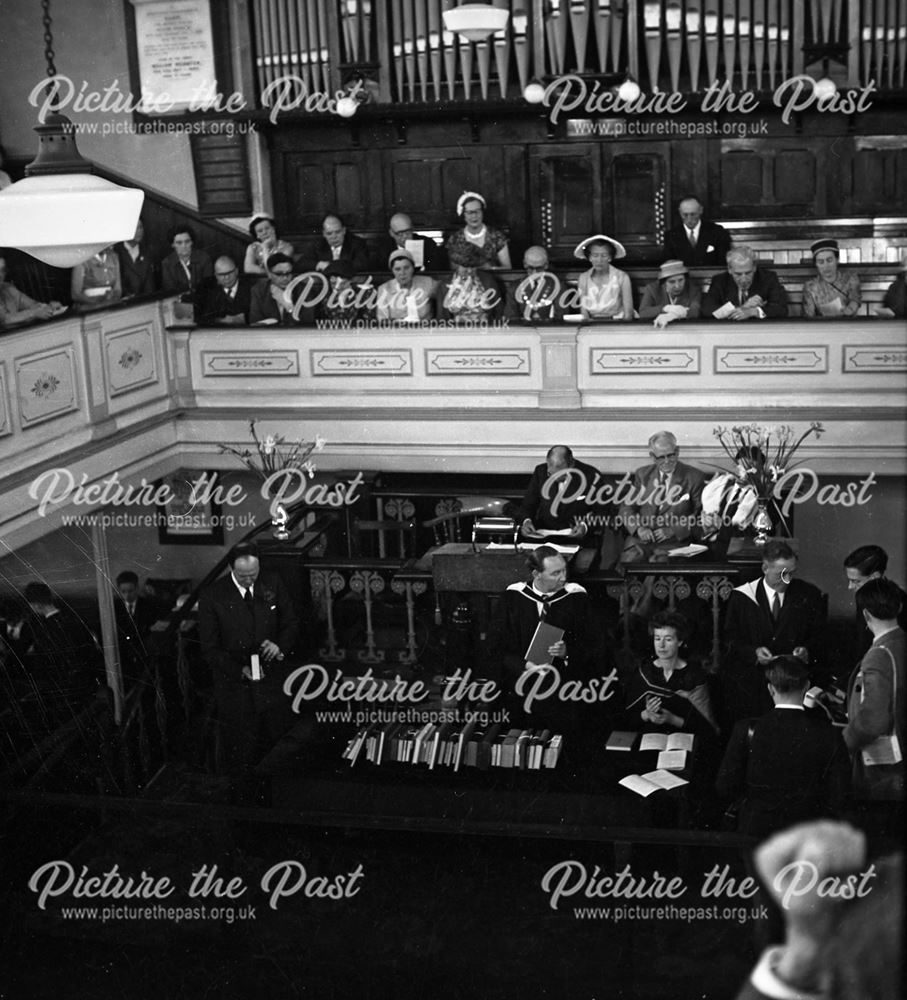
(868, 559)
(38, 593)
(863, 959)
(776, 550)
(787, 674)
(245, 550)
(880, 597)
(127, 576)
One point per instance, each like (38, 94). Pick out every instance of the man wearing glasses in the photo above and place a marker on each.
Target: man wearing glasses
(400, 232)
(665, 503)
(225, 299)
(268, 304)
(536, 297)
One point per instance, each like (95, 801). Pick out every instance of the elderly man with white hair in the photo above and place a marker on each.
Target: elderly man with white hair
(745, 291)
(536, 296)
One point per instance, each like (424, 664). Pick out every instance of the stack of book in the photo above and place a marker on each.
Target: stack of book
(449, 745)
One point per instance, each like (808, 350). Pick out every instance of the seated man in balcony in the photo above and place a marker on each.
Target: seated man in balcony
(894, 305)
(773, 616)
(337, 243)
(183, 270)
(225, 299)
(536, 297)
(697, 242)
(16, 308)
(745, 291)
(400, 232)
(243, 618)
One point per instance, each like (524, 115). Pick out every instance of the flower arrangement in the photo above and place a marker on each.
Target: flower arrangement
(274, 454)
(761, 456)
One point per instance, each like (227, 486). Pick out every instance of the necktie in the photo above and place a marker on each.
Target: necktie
(776, 608)
(247, 597)
(131, 609)
(692, 235)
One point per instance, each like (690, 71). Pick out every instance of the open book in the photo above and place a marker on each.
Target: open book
(666, 741)
(645, 784)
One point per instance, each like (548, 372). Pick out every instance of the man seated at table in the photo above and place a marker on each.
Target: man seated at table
(772, 616)
(535, 298)
(557, 500)
(745, 291)
(666, 502)
(337, 243)
(17, 308)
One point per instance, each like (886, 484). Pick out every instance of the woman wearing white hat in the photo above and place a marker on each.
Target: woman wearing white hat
(672, 296)
(604, 291)
(831, 292)
(491, 242)
(408, 297)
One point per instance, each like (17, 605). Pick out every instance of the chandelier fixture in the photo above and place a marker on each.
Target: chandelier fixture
(475, 21)
(61, 212)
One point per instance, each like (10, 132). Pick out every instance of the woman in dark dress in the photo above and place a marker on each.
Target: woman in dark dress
(668, 693)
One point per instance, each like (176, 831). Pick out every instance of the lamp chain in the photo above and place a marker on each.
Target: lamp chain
(48, 39)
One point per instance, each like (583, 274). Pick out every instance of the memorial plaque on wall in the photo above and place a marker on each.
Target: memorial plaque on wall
(175, 49)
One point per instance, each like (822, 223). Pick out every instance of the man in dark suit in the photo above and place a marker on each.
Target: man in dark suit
(246, 620)
(794, 765)
(224, 299)
(557, 499)
(745, 291)
(665, 503)
(400, 231)
(337, 243)
(772, 616)
(536, 297)
(134, 615)
(698, 242)
(63, 657)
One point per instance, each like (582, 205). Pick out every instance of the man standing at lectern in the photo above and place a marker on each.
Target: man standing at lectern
(698, 242)
(243, 616)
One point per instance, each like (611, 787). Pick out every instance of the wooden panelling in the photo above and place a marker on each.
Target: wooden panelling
(565, 194)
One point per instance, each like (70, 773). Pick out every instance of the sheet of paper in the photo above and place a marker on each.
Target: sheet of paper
(672, 760)
(664, 779)
(722, 312)
(653, 741)
(833, 308)
(688, 550)
(417, 249)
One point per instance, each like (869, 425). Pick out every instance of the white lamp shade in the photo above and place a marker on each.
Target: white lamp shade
(475, 21)
(63, 219)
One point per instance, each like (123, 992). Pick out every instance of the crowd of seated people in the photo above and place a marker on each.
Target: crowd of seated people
(467, 266)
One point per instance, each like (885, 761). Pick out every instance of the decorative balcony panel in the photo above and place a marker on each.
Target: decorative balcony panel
(46, 385)
(874, 358)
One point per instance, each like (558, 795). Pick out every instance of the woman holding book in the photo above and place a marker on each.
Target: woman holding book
(668, 692)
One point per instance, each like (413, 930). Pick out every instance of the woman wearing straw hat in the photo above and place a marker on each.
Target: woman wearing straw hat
(831, 292)
(604, 291)
(491, 242)
(672, 296)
